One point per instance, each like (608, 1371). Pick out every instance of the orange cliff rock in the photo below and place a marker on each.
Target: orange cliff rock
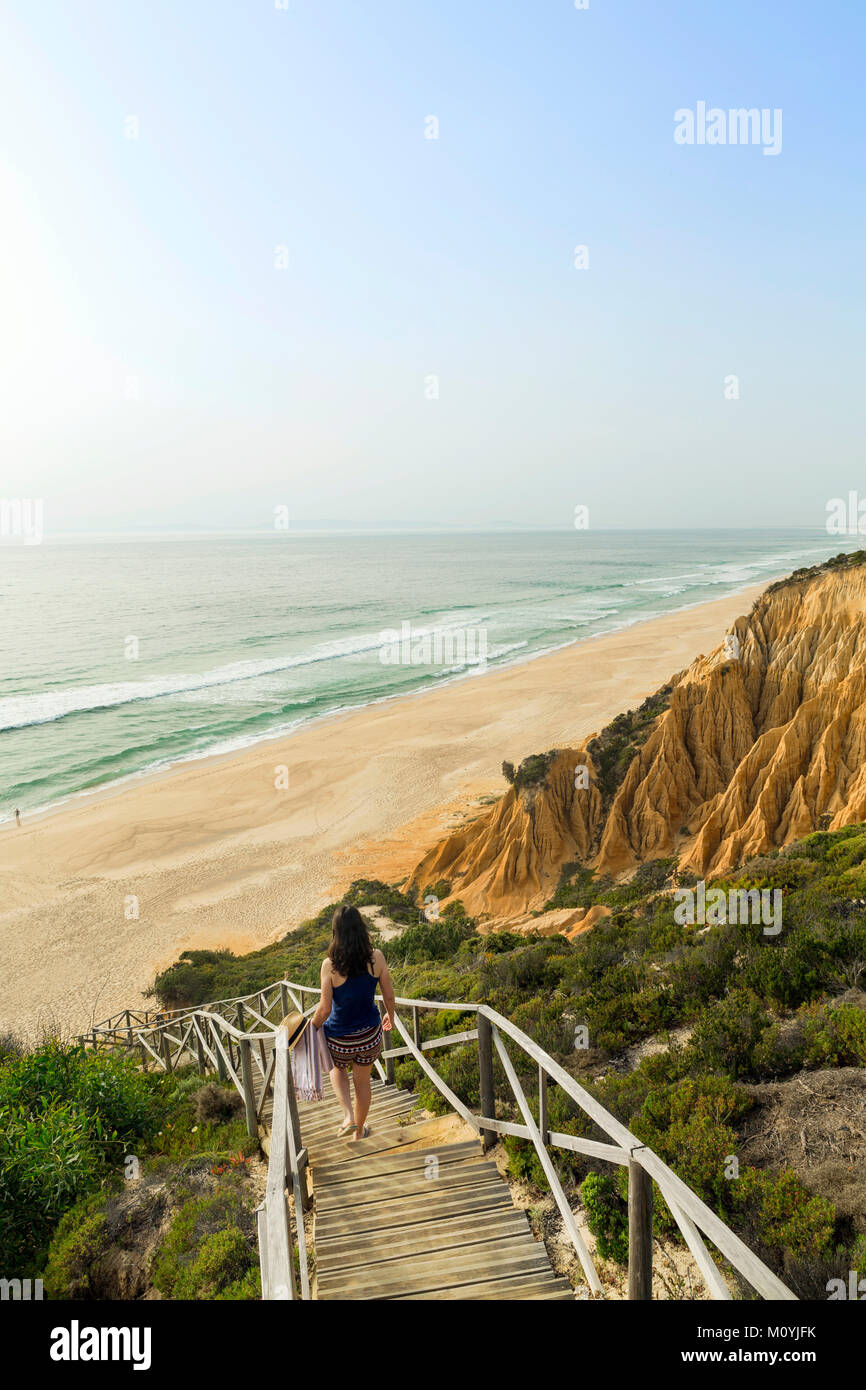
(502, 863)
(753, 750)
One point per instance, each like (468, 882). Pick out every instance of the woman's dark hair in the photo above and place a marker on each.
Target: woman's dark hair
(351, 950)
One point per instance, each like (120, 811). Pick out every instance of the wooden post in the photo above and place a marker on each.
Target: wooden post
(640, 1232)
(416, 1027)
(242, 1019)
(222, 1073)
(485, 1079)
(388, 1041)
(128, 1030)
(165, 1051)
(202, 1063)
(284, 998)
(295, 1123)
(249, 1089)
(542, 1103)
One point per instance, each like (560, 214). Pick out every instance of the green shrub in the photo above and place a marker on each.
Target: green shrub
(607, 1216)
(784, 1213)
(223, 1260)
(205, 1249)
(80, 1240)
(437, 940)
(46, 1163)
(691, 1126)
(727, 1032)
(247, 1288)
(836, 1038)
(523, 1164)
(532, 772)
(780, 1051)
(116, 1100)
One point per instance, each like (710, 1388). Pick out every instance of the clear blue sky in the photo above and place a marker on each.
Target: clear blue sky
(145, 268)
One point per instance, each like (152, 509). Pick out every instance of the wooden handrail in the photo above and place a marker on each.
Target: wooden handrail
(694, 1218)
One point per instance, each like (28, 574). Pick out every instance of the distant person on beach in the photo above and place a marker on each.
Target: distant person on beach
(351, 974)
(17, 816)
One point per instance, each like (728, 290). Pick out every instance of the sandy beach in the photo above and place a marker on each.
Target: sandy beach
(221, 853)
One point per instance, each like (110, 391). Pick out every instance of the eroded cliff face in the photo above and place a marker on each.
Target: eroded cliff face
(753, 750)
(502, 864)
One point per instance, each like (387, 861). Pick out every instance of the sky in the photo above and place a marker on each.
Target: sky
(236, 273)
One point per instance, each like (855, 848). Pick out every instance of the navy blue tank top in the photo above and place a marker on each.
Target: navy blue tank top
(352, 1006)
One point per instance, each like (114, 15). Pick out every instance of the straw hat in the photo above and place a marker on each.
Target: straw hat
(294, 1023)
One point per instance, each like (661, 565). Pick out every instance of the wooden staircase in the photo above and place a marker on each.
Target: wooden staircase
(398, 1216)
(416, 1211)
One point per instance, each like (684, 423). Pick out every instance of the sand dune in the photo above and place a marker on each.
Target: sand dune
(212, 854)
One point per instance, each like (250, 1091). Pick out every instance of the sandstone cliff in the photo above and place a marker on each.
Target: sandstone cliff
(753, 746)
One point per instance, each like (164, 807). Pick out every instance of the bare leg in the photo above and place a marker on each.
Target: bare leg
(340, 1082)
(361, 1078)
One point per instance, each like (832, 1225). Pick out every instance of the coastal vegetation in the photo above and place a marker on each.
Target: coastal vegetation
(846, 559)
(115, 1182)
(694, 1033)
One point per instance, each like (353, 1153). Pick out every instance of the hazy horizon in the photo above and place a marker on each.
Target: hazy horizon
(324, 528)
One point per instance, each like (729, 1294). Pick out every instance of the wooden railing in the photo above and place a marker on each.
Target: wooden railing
(221, 1033)
(240, 1039)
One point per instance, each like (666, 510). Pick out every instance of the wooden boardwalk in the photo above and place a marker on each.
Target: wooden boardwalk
(398, 1216)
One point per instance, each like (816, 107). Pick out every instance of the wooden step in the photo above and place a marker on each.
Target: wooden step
(342, 1252)
(412, 1212)
(386, 1112)
(431, 1273)
(381, 1165)
(536, 1286)
(477, 1175)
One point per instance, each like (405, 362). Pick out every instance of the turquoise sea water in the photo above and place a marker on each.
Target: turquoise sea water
(240, 639)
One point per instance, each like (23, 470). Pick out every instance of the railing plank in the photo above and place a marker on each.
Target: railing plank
(281, 1265)
(262, 1229)
(703, 1259)
(433, 1043)
(266, 1085)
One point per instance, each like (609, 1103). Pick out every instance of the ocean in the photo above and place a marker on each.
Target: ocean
(122, 656)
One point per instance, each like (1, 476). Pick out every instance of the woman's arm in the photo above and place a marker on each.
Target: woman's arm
(387, 989)
(324, 1006)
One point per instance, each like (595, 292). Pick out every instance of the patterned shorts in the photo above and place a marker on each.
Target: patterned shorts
(362, 1048)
